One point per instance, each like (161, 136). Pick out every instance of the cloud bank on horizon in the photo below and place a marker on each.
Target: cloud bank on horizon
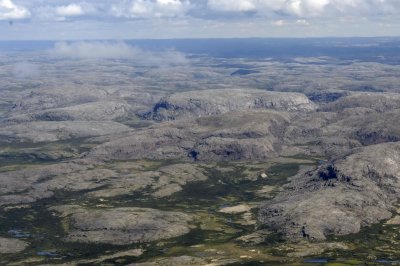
(200, 18)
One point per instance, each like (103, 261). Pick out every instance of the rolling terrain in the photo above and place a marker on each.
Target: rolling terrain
(207, 160)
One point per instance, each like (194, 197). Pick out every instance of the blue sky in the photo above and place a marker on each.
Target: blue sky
(130, 19)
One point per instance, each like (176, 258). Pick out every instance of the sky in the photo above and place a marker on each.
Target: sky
(168, 19)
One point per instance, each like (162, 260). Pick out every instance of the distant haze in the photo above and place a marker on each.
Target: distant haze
(179, 51)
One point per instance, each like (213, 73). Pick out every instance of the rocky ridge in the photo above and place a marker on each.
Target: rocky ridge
(358, 190)
(216, 102)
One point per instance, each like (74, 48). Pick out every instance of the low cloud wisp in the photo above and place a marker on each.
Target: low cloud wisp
(117, 50)
(25, 70)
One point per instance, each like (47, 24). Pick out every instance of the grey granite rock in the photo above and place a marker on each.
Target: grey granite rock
(10, 245)
(46, 131)
(340, 197)
(215, 102)
(380, 102)
(122, 226)
(94, 111)
(234, 135)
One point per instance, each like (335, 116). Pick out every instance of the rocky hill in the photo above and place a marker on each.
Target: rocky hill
(340, 197)
(231, 136)
(215, 102)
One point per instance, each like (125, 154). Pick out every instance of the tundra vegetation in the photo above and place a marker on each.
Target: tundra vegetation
(206, 161)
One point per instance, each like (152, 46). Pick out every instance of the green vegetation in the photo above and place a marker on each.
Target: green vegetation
(379, 243)
(20, 154)
(215, 235)
(228, 185)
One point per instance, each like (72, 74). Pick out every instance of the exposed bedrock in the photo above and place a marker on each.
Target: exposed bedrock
(380, 102)
(338, 198)
(122, 226)
(11, 245)
(56, 97)
(94, 111)
(49, 131)
(243, 135)
(215, 102)
(35, 183)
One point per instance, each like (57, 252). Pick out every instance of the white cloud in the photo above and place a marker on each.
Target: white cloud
(9, 10)
(303, 22)
(70, 10)
(308, 8)
(116, 50)
(232, 5)
(94, 50)
(305, 7)
(150, 8)
(279, 22)
(293, 7)
(124, 19)
(62, 12)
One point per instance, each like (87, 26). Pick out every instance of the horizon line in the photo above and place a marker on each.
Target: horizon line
(204, 38)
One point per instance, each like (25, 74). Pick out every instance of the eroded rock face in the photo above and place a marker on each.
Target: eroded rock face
(366, 126)
(122, 226)
(48, 131)
(215, 102)
(10, 245)
(358, 190)
(327, 96)
(381, 102)
(94, 111)
(234, 135)
(60, 96)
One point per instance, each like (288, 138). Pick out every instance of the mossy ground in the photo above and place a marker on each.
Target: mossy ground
(214, 235)
(16, 155)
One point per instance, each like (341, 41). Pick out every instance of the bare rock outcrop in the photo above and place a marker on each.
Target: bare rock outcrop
(380, 102)
(30, 185)
(234, 135)
(122, 226)
(338, 198)
(94, 111)
(47, 131)
(26, 185)
(10, 245)
(215, 102)
(367, 127)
